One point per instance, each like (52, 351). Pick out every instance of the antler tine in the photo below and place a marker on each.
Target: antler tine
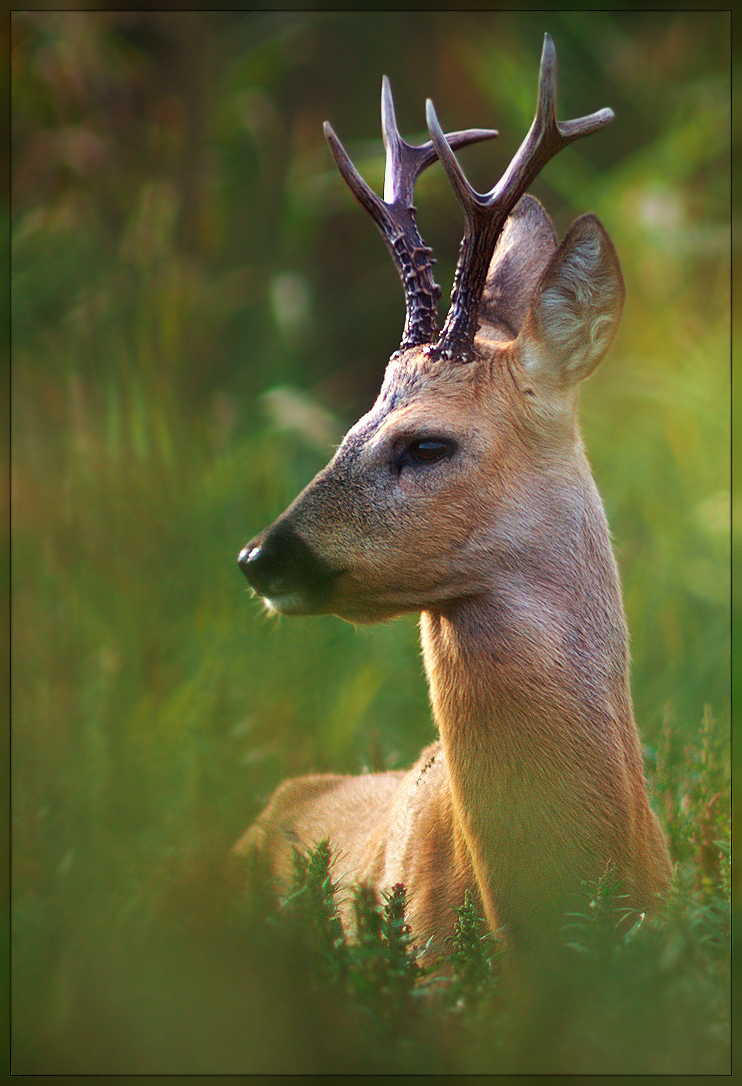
(406, 162)
(395, 214)
(401, 170)
(485, 214)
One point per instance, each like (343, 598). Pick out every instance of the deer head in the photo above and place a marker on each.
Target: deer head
(451, 480)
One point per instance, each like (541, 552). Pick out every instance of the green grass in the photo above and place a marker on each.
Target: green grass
(210, 975)
(169, 177)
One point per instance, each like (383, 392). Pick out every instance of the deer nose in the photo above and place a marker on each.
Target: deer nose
(279, 563)
(261, 563)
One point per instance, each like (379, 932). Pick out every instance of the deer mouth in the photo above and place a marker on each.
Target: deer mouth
(291, 603)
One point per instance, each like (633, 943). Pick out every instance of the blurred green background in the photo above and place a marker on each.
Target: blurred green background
(200, 309)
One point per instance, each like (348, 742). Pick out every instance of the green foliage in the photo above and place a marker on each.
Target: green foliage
(609, 923)
(469, 958)
(312, 903)
(379, 968)
(199, 309)
(385, 961)
(692, 783)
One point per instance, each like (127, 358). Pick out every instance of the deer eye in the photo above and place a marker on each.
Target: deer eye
(427, 450)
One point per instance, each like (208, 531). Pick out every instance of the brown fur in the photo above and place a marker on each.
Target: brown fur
(537, 781)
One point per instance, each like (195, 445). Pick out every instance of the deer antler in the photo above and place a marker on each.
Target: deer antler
(395, 214)
(485, 214)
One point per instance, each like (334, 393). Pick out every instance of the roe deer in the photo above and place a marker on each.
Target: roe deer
(465, 494)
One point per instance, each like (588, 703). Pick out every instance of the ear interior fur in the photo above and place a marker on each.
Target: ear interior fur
(576, 308)
(523, 250)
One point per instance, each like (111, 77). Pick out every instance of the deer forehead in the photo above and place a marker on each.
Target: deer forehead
(426, 397)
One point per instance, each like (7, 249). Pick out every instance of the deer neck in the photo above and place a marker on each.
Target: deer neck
(529, 687)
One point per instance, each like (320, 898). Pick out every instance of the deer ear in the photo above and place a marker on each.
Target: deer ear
(523, 250)
(575, 309)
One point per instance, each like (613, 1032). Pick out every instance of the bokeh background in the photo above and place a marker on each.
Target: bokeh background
(200, 309)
